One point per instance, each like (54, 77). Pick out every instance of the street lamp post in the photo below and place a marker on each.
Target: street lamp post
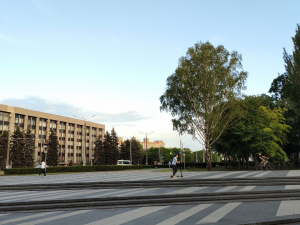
(84, 138)
(146, 146)
(45, 151)
(8, 135)
(130, 151)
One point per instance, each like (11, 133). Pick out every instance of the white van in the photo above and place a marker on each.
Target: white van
(124, 163)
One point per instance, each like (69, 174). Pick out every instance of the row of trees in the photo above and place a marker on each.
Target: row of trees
(108, 151)
(22, 148)
(204, 97)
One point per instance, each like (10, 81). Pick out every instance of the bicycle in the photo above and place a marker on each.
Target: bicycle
(268, 165)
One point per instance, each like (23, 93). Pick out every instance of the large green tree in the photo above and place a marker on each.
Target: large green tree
(136, 149)
(107, 146)
(3, 149)
(202, 93)
(286, 90)
(29, 148)
(110, 148)
(99, 152)
(260, 129)
(53, 146)
(114, 146)
(21, 149)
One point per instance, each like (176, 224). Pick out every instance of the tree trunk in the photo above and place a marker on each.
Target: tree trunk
(208, 158)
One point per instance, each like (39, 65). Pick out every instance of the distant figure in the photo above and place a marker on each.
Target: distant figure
(169, 163)
(43, 168)
(174, 165)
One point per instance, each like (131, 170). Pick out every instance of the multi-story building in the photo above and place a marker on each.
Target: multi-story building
(155, 144)
(76, 137)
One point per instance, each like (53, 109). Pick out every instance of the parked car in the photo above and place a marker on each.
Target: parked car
(124, 162)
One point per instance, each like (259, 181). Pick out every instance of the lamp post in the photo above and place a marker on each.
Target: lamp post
(45, 151)
(146, 146)
(130, 152)
(8, 135)
(84, 139)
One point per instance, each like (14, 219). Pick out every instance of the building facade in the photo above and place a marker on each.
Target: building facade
(155, 144)
(76, 137)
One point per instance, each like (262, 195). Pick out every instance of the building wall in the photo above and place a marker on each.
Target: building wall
(76, 137)
(155, 144)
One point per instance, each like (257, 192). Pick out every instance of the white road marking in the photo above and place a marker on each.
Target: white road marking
(182, 216)
(247, 188)
(226, 189)
(55, 217)
(186, 190)
(128, 216)
(26, 217)
(219, 213)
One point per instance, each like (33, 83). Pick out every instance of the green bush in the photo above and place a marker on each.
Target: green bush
(73, 169)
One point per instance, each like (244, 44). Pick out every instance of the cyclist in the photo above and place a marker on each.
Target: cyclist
(262, 159)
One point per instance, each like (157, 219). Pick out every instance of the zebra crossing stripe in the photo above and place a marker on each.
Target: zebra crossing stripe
(186, 190)
(293, 173)
(29, 195)
(248, 174)
(223, 174)
(219, 213)
(128, 216)
(226, 189)
(289, 187)
(262, 174)
(55, 217)
(26, 217)
(297, 207)
(136, 191)
(247, 188)
(182, 216)
(288, 208)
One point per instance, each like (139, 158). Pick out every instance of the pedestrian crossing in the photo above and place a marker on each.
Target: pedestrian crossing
(213, 213)
(132, 176)
(162, 215)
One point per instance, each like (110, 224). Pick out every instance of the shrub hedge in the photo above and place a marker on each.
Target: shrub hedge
(72, 169)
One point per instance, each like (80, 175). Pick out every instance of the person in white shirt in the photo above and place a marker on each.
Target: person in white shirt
(174, 165)
(43, 168)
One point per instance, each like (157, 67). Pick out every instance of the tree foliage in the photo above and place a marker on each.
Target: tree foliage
(107, 151)
(261, 129)
(202, 93)
(22, 149)
(3, 149)
(136, 149)
(99, 152)
(53, 146)
(286, 90)
(29, 148)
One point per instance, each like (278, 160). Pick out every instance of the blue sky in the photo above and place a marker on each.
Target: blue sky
(112, 58)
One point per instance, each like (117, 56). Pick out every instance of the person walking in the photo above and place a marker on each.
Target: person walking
(174, 165)
(43, 168)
